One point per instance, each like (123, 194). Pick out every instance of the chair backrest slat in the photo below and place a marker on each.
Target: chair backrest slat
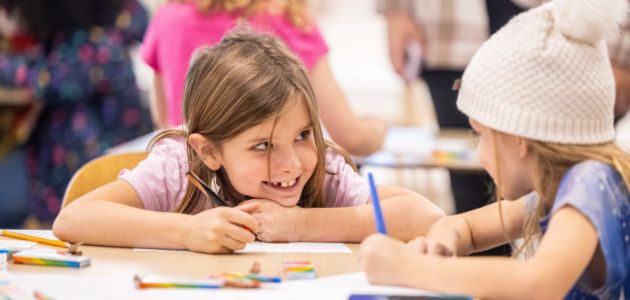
(98, 172)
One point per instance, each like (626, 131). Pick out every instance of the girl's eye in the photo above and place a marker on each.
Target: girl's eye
(261, 146)
(473, 132)
(304, 135)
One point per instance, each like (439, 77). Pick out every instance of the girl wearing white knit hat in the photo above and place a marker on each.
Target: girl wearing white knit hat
(540, 94)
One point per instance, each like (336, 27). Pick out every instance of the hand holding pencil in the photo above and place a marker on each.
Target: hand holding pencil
(376, 202)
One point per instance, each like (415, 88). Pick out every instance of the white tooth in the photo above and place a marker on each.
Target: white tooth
(292, 183)
(285, 184)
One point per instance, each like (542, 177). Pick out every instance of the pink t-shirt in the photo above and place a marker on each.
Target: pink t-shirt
(161, 183)
(177, 29)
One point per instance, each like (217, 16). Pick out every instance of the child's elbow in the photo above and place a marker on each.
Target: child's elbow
(61, 227)
(424, 213)
(430, 211)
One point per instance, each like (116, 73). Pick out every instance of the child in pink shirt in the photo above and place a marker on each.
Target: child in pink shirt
(177, 29)
(252, 135)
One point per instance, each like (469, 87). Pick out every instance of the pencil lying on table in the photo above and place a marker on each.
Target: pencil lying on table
(37, 239)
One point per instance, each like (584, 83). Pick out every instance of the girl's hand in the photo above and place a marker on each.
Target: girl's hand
(276, 223)
(402, 29)
(423, 245)
(221, 229)
(386, 260)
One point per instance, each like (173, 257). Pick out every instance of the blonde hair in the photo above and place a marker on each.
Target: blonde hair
(296, 10)
(245, 80)
(552, 161)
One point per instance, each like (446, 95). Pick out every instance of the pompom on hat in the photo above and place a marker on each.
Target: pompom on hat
(546, 75)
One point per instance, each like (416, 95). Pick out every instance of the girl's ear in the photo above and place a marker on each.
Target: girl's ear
(206, 150)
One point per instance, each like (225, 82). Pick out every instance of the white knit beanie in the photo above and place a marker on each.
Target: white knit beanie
(546, 75)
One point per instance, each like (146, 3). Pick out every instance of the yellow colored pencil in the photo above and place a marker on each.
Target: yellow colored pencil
(41, 240)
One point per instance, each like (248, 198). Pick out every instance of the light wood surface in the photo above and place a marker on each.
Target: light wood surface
(112, 270)
(108, 261)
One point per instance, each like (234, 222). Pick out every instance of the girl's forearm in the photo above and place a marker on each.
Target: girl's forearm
(405, 217)
(112, 224)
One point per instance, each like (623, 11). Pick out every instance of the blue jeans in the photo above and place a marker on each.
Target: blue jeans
(14, 206)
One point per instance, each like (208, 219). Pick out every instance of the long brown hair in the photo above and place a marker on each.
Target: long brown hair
(295, 10)
(552, 161)
(245, 80)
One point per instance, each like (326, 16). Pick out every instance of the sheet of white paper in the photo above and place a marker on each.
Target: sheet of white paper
(351, 283)
(258, 247)
(40, 233)
(16, 244)
(153, 250)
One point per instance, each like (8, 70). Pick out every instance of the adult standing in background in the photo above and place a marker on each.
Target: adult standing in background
(448, 32)
(74, 58)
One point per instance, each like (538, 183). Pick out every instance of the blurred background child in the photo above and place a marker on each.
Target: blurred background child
(73, 58)
(179, 27)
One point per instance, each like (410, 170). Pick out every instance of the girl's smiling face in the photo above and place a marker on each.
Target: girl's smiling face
(267, 161)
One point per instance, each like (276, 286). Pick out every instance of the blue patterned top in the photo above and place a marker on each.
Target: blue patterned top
(598, 191)
(85, 81)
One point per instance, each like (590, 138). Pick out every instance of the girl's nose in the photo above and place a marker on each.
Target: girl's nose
(287, 160)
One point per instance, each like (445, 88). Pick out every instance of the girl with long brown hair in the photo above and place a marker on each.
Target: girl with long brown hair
(252, 136)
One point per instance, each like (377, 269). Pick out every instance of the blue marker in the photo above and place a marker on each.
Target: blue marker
(378, 215)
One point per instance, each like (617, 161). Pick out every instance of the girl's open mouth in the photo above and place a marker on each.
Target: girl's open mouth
(284, 186)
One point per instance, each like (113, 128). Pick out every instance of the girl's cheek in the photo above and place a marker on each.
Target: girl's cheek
(485, 157)
(308, 154)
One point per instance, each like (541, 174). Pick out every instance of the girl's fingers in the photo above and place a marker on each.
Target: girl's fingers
(249, 207)
(231, 243)
(419, 245)
(237, 216)
(239, 233)
(224, 250)
(436, 248)
(414, 244)
(432, 248)
(444, 251)
(424, 247)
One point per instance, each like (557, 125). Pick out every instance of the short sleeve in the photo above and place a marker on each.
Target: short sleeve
(149, 48)
(590, 187)
(343, 186)
(599, 193)
(309, 46)
(306, 43)
(159, 179)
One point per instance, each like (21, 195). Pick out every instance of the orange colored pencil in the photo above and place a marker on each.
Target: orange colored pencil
(41, 240)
